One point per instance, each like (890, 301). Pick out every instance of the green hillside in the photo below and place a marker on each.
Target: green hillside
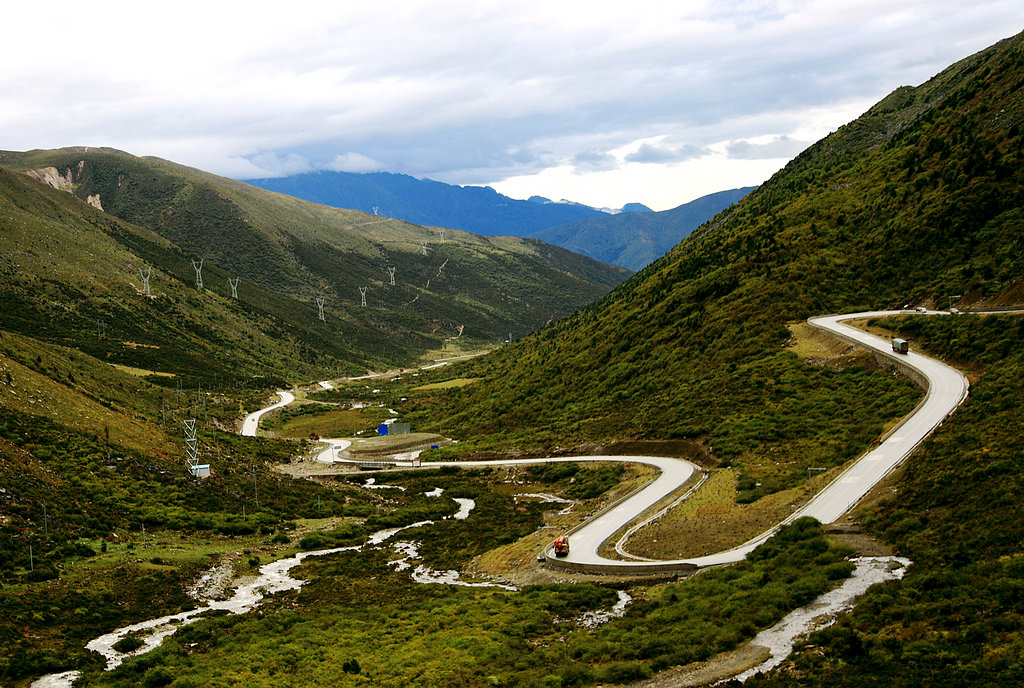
(287, 254)
(915, 202)
(705, 353)
(918, 202)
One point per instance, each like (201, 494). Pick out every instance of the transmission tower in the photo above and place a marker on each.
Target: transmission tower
(440, 233)
(199, 272)
(233, 283)
(376, 210)
(320, 304)
(191, 443)
(362, 295)
(145, 274)
(423, 247)
(391, 271)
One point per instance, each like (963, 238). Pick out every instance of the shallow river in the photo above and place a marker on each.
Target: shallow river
(275, 577)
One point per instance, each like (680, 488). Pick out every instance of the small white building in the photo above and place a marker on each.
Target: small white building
(200, 470)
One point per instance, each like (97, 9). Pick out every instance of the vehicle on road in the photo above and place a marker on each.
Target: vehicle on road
(561, 546)
(900, 346)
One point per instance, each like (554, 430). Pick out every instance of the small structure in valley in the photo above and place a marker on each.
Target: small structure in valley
(393, 429)
(200, 470)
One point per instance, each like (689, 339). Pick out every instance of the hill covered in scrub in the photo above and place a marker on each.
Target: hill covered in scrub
(287, 254)
(920, 201)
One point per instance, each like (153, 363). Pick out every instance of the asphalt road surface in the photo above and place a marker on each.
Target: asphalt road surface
(252, 421)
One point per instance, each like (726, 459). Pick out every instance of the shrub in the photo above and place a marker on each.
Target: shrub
(157, 676)
(128, 643)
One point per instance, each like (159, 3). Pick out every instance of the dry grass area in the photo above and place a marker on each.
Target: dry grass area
(448, 384)
(140, 372)
(711, 520)
(517, 561)
(331, 423)
(819, 348)
(389, 444)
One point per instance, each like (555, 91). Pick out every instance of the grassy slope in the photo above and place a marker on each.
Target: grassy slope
(957, 618)
(916, 200)
(71, 277)
(299, 249)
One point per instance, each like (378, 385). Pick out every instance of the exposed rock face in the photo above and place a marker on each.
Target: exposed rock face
(51, 176)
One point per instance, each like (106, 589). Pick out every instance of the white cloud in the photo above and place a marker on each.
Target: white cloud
(354, 162)
(654, 153)
(593, 161)
(776, 147)
(274, 165)
(564, 93)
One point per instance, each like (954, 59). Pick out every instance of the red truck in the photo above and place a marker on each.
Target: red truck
(561, 545)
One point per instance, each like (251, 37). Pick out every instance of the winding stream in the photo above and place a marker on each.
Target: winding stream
(273, 578)
(822, 612)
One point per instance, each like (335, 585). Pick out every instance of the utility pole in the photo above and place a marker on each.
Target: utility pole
(810, 478)
(191, 443)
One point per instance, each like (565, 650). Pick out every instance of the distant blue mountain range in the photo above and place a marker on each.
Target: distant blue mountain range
(635, 239)
(477, 209)
(631, 238)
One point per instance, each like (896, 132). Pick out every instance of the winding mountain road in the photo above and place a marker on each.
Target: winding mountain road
(252, 421)
(946, 389)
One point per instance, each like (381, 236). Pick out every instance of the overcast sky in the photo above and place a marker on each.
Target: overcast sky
(653, 102)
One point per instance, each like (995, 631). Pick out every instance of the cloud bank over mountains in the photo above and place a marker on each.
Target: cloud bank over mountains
(643, 101)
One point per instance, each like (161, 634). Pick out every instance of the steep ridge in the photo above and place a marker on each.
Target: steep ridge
(915, 202)
(918, 202)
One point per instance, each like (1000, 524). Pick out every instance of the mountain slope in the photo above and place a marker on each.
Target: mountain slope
(287, 253)
(914, 202)
(480, 210)
(635, 239)
(919, 201)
